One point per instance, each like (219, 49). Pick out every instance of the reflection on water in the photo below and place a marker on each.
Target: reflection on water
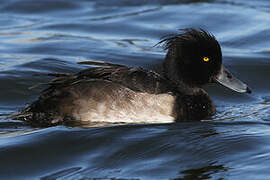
(53, 36)
(180, 150)
(202, 173)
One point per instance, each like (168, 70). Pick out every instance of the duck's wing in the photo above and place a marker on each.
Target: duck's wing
(135, 78)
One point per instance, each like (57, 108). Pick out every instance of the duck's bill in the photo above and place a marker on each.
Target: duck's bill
(226, 79)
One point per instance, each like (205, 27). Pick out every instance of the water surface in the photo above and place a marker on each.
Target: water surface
(54, 35)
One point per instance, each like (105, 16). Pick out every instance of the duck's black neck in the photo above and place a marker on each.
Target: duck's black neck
(178, 82)
(191, 97)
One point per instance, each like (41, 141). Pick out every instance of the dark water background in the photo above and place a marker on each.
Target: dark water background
(53, 35)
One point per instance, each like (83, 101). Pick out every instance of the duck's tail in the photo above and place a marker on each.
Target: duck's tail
(23, 115)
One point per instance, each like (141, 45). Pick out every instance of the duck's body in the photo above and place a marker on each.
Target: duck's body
(115, 95)
(118, 94)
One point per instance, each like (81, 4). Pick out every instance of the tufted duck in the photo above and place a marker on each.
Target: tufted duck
(116, 93)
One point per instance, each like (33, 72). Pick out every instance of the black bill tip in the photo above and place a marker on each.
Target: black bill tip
(248, 90)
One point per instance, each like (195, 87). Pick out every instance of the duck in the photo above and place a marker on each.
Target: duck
(113, 93)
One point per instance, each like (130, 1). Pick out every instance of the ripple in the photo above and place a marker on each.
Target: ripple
(52, 36)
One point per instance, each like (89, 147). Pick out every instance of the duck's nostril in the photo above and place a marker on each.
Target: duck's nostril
(228, 75)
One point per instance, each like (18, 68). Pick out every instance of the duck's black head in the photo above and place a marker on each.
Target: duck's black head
(194, 58)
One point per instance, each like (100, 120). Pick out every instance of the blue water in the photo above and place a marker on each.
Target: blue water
(54, 35)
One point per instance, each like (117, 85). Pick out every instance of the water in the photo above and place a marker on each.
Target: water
(53, 35)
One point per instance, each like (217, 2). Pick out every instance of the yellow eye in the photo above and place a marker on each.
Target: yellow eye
(206, 59)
